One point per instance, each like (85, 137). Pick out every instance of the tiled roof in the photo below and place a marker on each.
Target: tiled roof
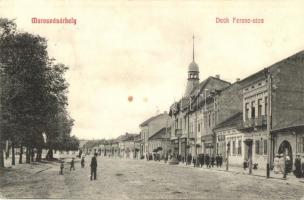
(234, 120)
(159, 134)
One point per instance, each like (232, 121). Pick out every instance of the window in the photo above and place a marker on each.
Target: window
(199, 127)
(233, 148)
(246, 110)
(209, 120)
(259, 107)
(253, 109)
(301, 145)
(265, 147)
(239, 147)
(257, 147)
(266, 105)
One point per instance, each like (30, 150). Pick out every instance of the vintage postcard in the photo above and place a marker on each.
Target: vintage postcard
(151, 99)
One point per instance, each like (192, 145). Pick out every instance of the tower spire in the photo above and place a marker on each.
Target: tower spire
(193, 48)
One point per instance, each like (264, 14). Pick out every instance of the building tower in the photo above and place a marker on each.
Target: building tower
(193, 74)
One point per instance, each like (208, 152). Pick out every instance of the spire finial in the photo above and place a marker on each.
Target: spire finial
(193, 48)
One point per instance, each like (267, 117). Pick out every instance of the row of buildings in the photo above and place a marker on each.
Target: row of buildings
(251, 119)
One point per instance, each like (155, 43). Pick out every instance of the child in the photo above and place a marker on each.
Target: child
(61, 167)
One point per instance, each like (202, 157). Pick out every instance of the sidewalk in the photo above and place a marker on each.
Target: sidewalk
(290, 178)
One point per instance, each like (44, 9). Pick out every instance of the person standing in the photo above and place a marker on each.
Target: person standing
(217, 159)
(82, 162)
(298, 170)
(276, 164)
(72, 166)
(282, 164)
(212, 160)
(61, 167)
(94, 166)
(221, 160)
(207, 159)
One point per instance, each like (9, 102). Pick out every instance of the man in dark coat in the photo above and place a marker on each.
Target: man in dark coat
(94, 166)
(207, 160)
(202, 160)
(212, 160)
(221, 160)
(298, 171)
(217, 160)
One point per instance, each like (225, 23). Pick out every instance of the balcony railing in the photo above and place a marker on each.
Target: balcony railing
(255, 122)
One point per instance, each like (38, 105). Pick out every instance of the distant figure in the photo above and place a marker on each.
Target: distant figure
(212, 161)
(221, 160)
(298, 171)
(61, 167)
(93, 166)
(276, 164)
(282, 163)
(202, 160)
(217, 160)
(207, 161)
(82, 162)
(72, 165)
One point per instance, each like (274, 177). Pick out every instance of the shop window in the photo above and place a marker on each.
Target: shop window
(301, 145)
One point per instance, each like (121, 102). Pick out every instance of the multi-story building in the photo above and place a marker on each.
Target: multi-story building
(273, 116)
(149, 128)
(159, 142)
(204, 105)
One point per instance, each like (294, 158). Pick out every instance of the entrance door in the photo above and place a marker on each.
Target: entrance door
(285, 146)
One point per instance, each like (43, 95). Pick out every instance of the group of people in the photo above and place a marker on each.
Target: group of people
(82, 162)
(205, 159)
(281, 164)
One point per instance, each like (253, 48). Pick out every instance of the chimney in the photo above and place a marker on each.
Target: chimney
(217, 76)
(238, 79)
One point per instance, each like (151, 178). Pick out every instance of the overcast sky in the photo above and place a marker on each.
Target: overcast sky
(143, 49)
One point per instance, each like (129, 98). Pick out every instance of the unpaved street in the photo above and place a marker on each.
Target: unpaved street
(133, 179)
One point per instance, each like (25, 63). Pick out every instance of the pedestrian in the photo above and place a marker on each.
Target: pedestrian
(72, 165)
(298, 170)
(202, 160)
(94, 167)
(207, 160)
(82, 162)
(281, 164)
(194, 160)
(212, 160)
(61, 167)
(217, 160)
(276, 164)
(221, 160)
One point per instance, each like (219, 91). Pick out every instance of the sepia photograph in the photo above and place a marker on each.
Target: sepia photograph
(152, 99)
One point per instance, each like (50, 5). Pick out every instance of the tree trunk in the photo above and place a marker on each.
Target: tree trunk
(38, 155)
(27, 155)
(21, 153)
(13, 153)
(32, 154)
(1, 154)
(49, 155)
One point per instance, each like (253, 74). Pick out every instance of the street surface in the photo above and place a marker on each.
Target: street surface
(134, 179)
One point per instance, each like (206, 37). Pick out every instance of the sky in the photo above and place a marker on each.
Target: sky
(142, 49)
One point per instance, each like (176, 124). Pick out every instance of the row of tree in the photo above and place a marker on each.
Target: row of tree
(33, 97)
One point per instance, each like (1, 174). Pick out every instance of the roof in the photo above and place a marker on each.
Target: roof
(159, 134)
(145, 123)
(299, 122)
(261, 74)
(233, 121)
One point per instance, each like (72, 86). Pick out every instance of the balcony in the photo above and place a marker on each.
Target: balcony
(259, 121)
